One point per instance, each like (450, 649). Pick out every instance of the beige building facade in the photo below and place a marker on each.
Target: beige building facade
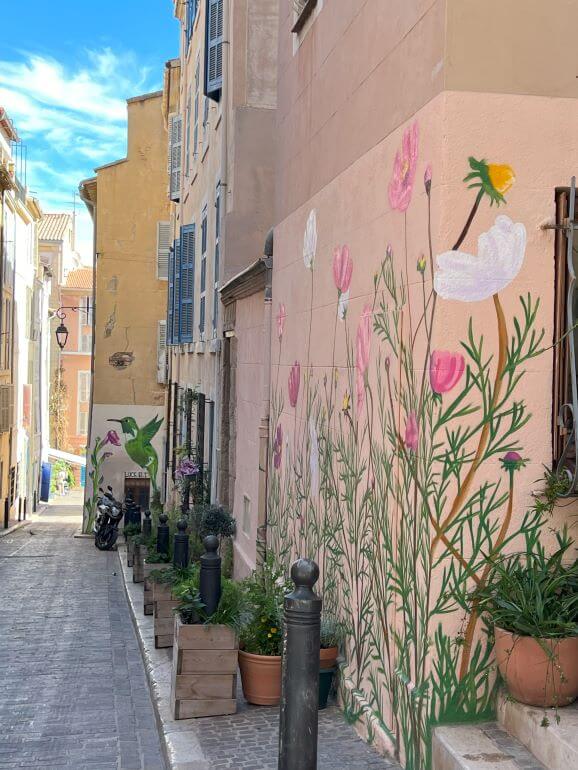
(130, 209)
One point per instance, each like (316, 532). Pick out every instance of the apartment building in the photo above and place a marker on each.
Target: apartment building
(221, 182)
(129, 205)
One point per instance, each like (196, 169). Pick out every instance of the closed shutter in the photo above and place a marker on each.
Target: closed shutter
(177, 295)
(175, 145)
(214, 49)
(163, 247)
(187, 281)
(170, 297)
(6, 407)
(162, 352)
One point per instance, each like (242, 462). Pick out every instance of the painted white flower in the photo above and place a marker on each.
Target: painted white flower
(314, 458)
(342, 304)
(470, 278)
(310, 240)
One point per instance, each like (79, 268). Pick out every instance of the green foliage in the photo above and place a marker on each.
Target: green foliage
(231, 611)
(174, 575)
(534, 594)
(265, 589)
(332, 631)
(153, 557)
(57, 466)
(217, 520)
(131, 530)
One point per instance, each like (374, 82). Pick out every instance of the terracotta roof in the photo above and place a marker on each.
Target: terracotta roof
(53, 227)
(81, 278)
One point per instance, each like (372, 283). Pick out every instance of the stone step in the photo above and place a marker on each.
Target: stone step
(555, 743)
(479, 747)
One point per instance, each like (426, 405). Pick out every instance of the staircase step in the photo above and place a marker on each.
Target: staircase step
(555, 744)
(480, 747)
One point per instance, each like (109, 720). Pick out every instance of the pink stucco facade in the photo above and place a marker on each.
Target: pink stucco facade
(409, 421)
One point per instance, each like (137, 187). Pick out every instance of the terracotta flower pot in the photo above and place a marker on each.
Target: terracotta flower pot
(327, 657)
(538, 672)
(261, 678)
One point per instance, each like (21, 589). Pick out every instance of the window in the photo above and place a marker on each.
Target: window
(205, 119)
(217, 258)
(6, 407)
(85, 328)
(175, 147)
(83, 387)
(197, 96)
(188, 143)
(162, 352)
(170, 296)
(246, 514)
(214, 49)
(203, 286)
(6, 336)
(176, 305)
(163, 246)
(187, 282)
(192, 6)
(82, 425)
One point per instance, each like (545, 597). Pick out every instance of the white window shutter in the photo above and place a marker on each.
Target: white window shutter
(163, 248)
(6, 407)
(176, 141)
(162, 352)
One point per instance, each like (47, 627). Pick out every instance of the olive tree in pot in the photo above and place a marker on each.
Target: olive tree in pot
(531, 602)
(261, 634)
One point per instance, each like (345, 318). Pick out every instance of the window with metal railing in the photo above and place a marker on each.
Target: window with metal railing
(203, 281)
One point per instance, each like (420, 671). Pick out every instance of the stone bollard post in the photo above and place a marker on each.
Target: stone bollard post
(147, 524)
(163, 534)
(181, 545)
(210, 578)
(298, 719)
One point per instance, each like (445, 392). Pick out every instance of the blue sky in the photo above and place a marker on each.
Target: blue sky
(66, 70)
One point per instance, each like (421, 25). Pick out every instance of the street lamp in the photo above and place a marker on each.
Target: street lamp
(62, 331)
(61, 335)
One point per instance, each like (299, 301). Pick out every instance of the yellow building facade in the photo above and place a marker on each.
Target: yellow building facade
(130, 208)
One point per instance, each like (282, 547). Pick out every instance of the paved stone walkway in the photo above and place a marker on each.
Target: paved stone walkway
(73, 691)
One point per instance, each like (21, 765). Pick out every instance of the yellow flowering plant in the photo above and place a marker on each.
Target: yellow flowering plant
(492, 179)
(265, 590)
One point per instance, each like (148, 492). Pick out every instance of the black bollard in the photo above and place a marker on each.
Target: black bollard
(137, 516)
(299, 712)
(128, 505)
(163, 534)
(210, 578)
(147, 524)
(181, 545)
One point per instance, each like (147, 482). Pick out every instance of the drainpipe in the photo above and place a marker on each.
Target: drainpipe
(265, 405)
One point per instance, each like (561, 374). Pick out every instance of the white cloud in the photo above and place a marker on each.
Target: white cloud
(71, 119)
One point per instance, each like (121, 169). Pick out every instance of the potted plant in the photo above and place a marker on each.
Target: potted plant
(261, 635)
(531, 601)
(165, 584)
(142, 546)
(204, 679)
(330, 639)
(154, 562)
(130, 532)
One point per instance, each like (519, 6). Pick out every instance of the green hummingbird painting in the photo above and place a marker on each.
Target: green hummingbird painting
(138, 445)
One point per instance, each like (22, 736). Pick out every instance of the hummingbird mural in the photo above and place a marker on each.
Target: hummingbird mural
(139, 447)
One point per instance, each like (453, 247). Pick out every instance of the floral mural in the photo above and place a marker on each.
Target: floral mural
(397, 472)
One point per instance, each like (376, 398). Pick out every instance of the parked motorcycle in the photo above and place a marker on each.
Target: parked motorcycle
(108, 518)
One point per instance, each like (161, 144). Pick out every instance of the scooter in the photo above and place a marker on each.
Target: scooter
(108, 518)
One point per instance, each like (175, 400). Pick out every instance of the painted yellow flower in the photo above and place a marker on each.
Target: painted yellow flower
(492, 179)
(501, 176)
(273, 630)
(346, 402)
(421, 264)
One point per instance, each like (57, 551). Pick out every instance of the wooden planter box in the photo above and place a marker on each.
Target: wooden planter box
(164, 617)
(204, 679)
(130, 552)
(148, 585)
(140, 553)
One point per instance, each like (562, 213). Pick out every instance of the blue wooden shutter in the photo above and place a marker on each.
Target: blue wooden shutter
(214, 49)
(187, 281)
(177, 295)
(170, 298)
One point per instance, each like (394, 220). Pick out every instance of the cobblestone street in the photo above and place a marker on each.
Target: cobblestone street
(74, 693)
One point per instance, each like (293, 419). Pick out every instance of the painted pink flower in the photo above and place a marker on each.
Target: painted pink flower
(445, 370)
(411, 432)
(342, 269)
(112, 438)
(513, 461)
(363, 348)
(278, 447)
(404, 167)
(281, 316)
(294, 381)
(427, 178)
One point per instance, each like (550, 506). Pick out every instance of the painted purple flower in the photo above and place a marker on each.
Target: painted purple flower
(278, 447)
(411, 432)
(512, 461)
(427, 178)
(404, 167)
(112, 438)
(294, 381)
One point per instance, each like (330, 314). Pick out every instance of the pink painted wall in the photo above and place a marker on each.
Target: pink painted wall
(358, 427)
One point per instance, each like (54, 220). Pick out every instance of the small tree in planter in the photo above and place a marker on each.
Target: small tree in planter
(261, 634)
(531, 601)
(204, 680)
